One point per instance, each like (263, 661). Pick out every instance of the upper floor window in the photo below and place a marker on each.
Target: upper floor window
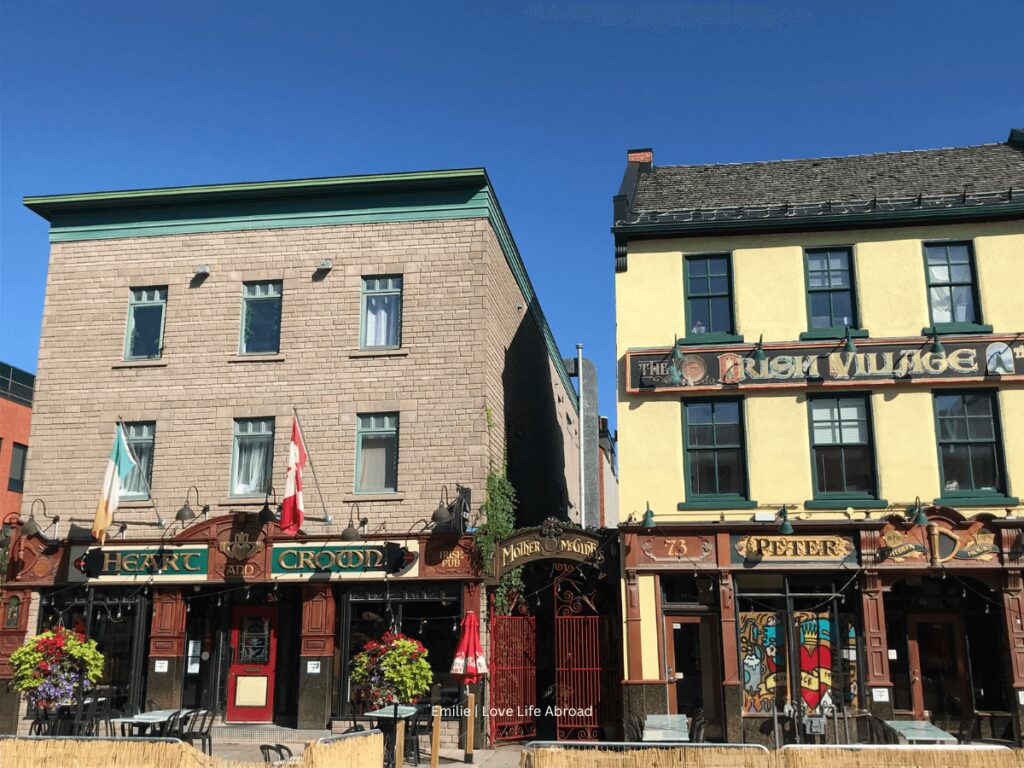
(261, 317)
(377, 453)
(844, 463)
(144, 338)
(252, 457)
(141, 436)
(831, 303)
(715, 462)
(968, 435)
(16, 479)
(708, 288)
(382, 312)
(952, 297)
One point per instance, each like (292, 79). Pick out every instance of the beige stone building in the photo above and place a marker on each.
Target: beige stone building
(394, 315)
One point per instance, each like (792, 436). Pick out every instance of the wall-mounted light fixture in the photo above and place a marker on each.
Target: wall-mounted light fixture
(937, 348)
(759, 355)
(325, 266)
(850, 348)
(186, 514)
(31, 527)
(203, 270)
(351, 532)
(267, 515)
(785, 527)
(648, 517)
(916, 513)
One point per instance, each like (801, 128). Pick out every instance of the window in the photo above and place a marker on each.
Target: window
(377, 453)
(708, 282)
(16, 480)
(951, 293)
(382, 313)
(144, 338)
(844, 464)
(831, 304)
(253, 457)
(140, 435)
(715, 466)
(969, 450)
(261, 317)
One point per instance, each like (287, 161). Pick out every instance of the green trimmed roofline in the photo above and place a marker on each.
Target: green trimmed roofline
(463, 193)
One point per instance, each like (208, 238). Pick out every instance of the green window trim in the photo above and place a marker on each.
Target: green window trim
(710, 338)
(972, 496)
(835, 330)
(376, 425)
(722, 503)
(977, 500)
(843, 496)
(708, 294)
(973, 326)
(260, 292)
(856, 502)
(16, 474)
(954, 328)
(727, 500)
(382, 286)
(837, 333)
(143, 298)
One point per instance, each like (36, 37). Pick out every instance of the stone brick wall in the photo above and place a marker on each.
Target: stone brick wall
(466, 348)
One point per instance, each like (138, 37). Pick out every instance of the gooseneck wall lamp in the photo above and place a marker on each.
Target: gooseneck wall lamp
(186, 514)
(31, 527)
(759, 355)
(443, 514)
(785, 527)
(919, 516)
(648, 521)
(351, 532)
(267, 515)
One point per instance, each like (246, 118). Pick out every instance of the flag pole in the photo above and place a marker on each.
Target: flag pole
(309, 458)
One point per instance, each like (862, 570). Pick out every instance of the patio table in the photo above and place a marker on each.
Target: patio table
(388, 718)
(920, 732)
(156, 719)
(666, 728)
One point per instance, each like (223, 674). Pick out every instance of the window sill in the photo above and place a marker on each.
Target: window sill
(275, 358)
(400, 352)
(978, 500)
(135, 504)
(856, 503)
(710, 338)
(833, 333)
(946, 328)
(686, 506)
(384, 496)
(244, 501)
(148, 363)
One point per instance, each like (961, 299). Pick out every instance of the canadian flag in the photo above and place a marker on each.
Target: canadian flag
(292, 510)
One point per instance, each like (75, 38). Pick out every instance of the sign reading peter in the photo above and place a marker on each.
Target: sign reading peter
(815, 363)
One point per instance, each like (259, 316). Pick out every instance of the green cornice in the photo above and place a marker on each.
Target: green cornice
(420, 196)
(827, 222)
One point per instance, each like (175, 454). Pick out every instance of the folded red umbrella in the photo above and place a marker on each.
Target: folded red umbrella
(469, 665)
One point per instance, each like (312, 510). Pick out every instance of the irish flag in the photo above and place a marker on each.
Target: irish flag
(292, 511)
(119, 466)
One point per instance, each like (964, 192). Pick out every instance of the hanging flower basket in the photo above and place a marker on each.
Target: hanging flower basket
(51, 667)
(393, 670)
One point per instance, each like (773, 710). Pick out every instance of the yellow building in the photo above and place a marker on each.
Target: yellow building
(821, 424)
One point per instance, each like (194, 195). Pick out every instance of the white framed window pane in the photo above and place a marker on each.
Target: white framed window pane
(261, 318)
(378, 462)
(942, 306)
(383, 320)
(253, 457)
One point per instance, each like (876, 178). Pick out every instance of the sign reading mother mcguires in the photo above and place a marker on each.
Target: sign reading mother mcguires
(798, 364)
(551, 541)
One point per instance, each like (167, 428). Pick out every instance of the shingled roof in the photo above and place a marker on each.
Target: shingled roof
(827, 186)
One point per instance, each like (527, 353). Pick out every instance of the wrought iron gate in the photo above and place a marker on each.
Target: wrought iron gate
(580, 648)
(513, 678)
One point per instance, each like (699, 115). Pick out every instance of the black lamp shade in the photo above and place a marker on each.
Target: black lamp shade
(266, 515)
(31, 527)
(351, 533)
(441, 515)
(185, 514)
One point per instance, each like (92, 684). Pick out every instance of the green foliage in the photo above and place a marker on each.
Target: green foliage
(51, 666)
(500, 510)
(394, 670)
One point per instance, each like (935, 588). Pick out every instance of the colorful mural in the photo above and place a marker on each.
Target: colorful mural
(763, 652)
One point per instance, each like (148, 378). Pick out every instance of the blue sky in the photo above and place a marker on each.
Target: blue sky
(546, 95)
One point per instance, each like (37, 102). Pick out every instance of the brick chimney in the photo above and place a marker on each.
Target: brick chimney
(644, 155)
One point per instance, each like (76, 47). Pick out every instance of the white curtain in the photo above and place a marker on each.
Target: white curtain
(376, 463)
(252, 465)
(383, 318)
(136, 484)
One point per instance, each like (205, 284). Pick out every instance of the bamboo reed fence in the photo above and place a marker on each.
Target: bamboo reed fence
(358, 752)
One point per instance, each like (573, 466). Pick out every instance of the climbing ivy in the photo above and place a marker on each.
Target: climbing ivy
(500, 509)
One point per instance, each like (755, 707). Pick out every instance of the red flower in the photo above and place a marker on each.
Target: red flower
(44, 666)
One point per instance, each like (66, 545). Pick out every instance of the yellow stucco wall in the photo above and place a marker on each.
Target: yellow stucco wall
(648, 585)
(770, 298)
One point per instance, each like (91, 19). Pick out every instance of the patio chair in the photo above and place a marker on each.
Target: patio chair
(88, 724)
(42, 724)
(698, 725)
(273, 753)
(419, 726)
(353, 712)
(633, 727)
(173, 727)
(200, 729)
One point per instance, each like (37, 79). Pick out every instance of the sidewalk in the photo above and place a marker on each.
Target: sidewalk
(505, 756)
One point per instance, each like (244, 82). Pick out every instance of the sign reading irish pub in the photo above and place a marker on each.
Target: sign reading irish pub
(811, 363)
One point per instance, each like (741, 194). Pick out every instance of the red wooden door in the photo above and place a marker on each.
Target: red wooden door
(253, 658)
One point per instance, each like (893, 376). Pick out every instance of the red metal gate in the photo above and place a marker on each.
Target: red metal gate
(579, 674)
(513, 713)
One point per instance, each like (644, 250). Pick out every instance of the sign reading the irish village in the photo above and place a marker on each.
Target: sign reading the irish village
(813, 363)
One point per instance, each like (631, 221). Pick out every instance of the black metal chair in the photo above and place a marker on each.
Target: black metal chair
(200, 728)
(698, 726)
(633, 727)
(353, 711)
(418, 726)
(173, 727)
(274, 752)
